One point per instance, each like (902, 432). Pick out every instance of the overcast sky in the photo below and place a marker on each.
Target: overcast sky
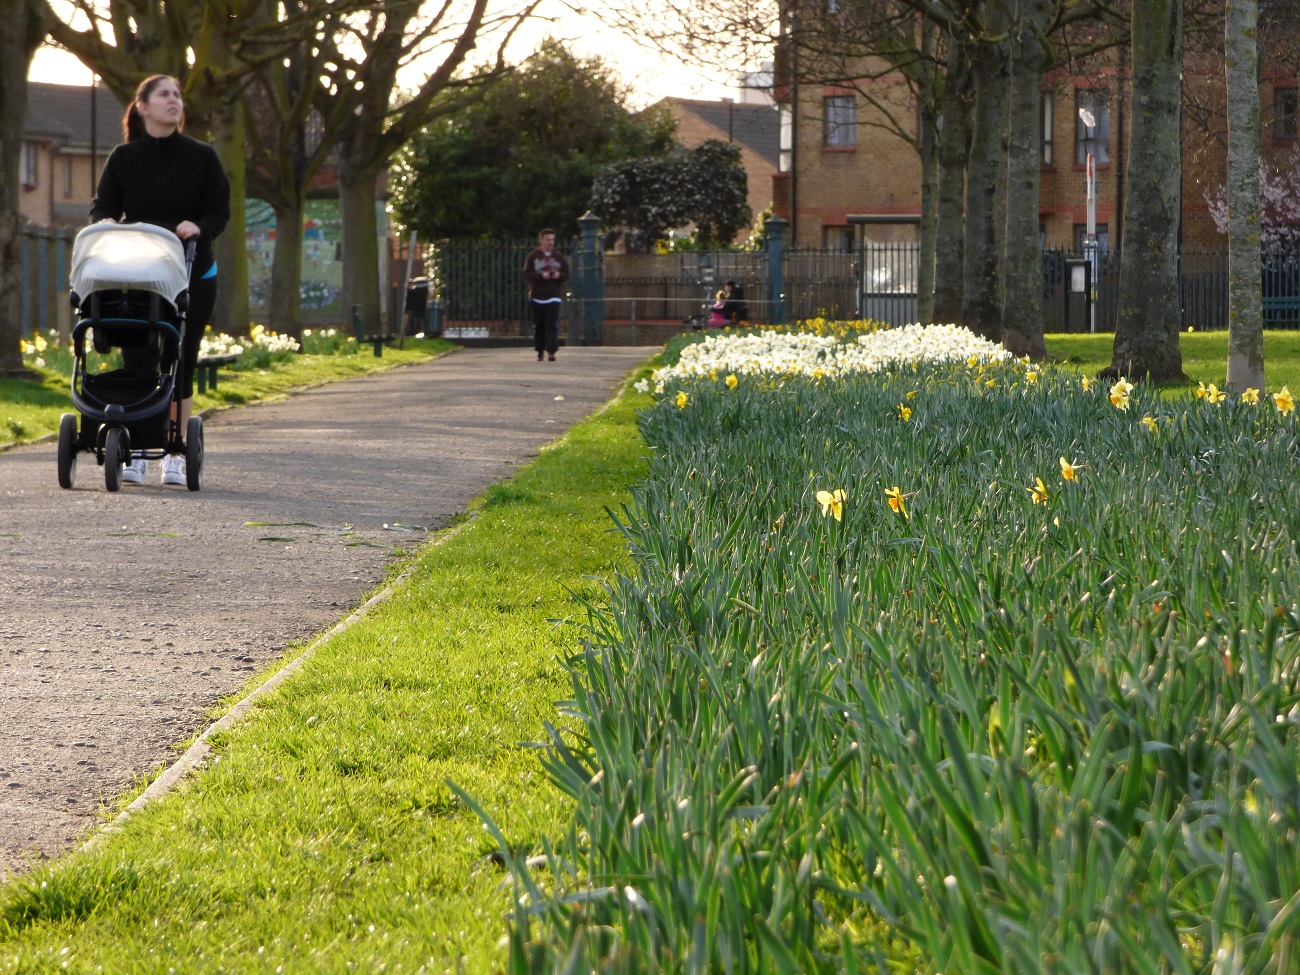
(650, 75)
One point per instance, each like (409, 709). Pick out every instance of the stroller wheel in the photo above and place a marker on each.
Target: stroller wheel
(114, 455)
(194, 453)
(67, 450)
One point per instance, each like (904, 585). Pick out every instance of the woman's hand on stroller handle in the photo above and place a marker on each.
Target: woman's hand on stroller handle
(187, 229)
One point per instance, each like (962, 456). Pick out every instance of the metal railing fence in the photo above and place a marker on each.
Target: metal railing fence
(44, 256)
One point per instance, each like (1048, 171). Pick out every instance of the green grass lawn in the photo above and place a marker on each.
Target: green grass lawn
(1205, 355)
(31, 410)
(324, 837)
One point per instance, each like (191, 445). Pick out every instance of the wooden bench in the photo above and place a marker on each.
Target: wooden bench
(205, 370)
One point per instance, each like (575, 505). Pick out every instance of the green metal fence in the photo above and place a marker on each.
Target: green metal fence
(478, 283)
(44, 256)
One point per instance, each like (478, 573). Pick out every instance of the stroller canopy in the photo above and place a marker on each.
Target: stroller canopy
(136, 256)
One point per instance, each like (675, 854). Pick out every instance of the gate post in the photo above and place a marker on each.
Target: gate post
(775, 227)
(591, 281)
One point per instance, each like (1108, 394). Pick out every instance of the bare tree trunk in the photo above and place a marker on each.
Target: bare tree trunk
(954, 145)
(23, 31)
(360, 245)
(1245, 292)
(925, 272)
(981, 299)
(1022, 297)
(1149, 316)
(285, 309)
(231, 248)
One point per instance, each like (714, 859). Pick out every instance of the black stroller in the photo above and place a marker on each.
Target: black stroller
(130, 289)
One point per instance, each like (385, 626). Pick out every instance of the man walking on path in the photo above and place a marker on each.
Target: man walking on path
(546, 270)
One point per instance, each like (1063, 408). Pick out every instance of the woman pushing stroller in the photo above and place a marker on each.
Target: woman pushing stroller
(162, 177)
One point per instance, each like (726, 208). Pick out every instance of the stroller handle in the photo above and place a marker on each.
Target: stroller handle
(190, 246)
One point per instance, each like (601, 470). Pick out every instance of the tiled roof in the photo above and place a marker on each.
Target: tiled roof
(62, 112)
(756, 127)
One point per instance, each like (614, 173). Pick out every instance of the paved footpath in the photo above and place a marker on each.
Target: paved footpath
(125, 617)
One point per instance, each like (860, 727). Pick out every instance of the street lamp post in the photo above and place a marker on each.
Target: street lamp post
(1090, 239)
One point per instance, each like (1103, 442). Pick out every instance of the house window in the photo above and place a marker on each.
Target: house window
(1095, 138)
(785, 161)
(838, 239)
(28, 168)
(67, 176)
(1284, 113)
(1047, 116)
(841, 114)
(1081, 234)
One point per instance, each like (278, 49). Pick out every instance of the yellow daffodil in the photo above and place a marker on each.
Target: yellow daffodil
(1214, 394)
(1251, 396)
(732, 381)
(990, 383)
(1149, 422)
(713, 375)
(897, 500)
(1088, 384)
(911, 394)
(1201, 391)
(1039, 491)
(1031, 376)
(973, 361)
(904, 411)
(1070, 472)
(682, 399)
(1284, 401)
(1119, 394)
(832, 502)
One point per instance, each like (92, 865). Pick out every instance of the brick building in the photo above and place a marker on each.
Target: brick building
(60, 134)
(842, 153)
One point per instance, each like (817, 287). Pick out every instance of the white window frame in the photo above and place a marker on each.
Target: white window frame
(1047, 120)
(840, 114)
(30, 170)
(785, 158)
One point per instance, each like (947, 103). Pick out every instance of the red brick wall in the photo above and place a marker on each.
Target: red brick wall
(881, 174)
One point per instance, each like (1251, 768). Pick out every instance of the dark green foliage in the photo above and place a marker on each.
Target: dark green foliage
(524, 153)
(706, 186)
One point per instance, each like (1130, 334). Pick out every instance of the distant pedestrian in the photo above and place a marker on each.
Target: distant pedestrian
(546, 270)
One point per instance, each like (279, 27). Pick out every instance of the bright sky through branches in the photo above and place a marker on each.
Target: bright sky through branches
(650, 74)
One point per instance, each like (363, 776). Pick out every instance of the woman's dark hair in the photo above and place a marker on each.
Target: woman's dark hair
(132, 122)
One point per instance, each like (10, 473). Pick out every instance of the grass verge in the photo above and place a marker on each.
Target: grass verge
(1205, 355)
(323, 836)
(30, 410)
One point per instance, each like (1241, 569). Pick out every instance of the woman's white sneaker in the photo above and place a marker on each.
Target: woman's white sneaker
(173, 469)
(135, 472)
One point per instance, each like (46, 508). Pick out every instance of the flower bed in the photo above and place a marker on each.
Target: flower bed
(971, 667)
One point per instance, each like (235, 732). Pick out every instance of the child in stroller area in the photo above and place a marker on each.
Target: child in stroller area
(162, 177)
(717, 316)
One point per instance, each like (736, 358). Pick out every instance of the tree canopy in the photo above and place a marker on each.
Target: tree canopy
(525, 152)
(706, 186)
